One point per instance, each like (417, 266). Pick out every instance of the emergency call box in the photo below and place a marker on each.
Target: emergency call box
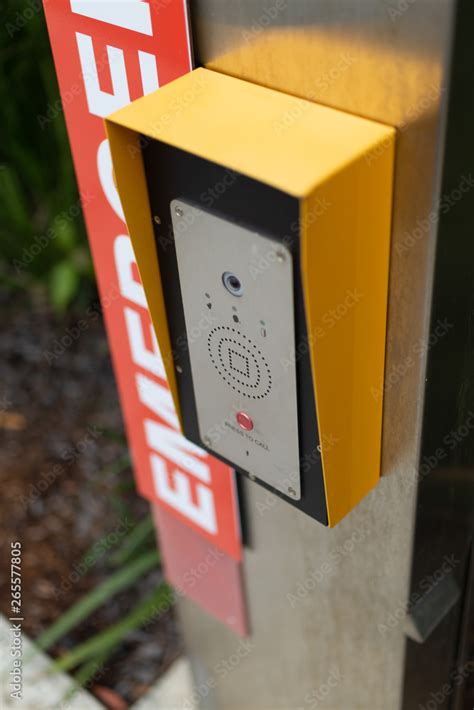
(261, 228)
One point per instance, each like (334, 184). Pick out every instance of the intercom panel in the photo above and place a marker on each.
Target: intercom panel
(239, 315)
(261, 228)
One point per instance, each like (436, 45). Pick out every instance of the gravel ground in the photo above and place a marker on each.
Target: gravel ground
(66, 484)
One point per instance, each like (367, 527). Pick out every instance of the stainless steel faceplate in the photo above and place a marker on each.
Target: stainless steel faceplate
(237, 291)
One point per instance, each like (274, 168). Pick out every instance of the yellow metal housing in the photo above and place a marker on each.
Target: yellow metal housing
(339, 167)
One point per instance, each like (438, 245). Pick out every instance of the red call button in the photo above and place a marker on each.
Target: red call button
(244, 421)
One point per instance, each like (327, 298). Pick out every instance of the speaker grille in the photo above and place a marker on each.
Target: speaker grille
(239, 362)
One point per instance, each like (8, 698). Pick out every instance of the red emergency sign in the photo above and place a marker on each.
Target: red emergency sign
(106, 55)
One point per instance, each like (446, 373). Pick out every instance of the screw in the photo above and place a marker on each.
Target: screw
(291, 491)
(281, 256)
(178, 211)
(156, 219)
(179, 369)
(252, 477)
(207, 441)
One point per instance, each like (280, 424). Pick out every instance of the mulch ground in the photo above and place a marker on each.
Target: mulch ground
(67, 486)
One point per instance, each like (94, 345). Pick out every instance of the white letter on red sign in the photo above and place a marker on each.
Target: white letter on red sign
(101, 103)
(130, 14)
(203, 514)
(158, 399)
(150, 360)
(173, 446)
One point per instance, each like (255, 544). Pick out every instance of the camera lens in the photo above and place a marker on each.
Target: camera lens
(232, 283)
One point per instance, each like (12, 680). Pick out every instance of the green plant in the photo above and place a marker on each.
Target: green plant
(115, 583)
(107, 641)
(134, 559)
(42, 233)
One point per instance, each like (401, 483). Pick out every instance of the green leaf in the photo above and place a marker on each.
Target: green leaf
(152, 607)
(64, 234)
(120, 465)
(97, 550)
(38, 186)
(63, 284)
(89, 671)
(132, 542)
(14, 205)
(91, 668)
(115, 583)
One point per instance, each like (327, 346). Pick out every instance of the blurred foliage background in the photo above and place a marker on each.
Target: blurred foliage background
(120, 606)
(44, 245)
